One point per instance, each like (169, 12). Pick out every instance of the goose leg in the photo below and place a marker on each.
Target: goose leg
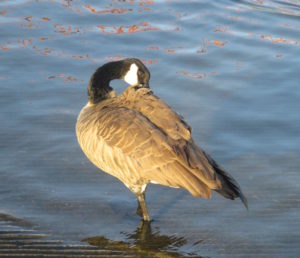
(139, 208)
(142, 209)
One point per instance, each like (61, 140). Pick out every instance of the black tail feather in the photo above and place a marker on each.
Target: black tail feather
(230, 188)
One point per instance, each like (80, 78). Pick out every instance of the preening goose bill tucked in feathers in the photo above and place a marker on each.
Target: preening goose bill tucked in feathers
(139, 139)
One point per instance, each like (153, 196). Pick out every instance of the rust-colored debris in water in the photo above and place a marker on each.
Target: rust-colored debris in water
(152, 48)
(133, 28)
(219, 43)
(46, 19)
(71, 79)
(260, 2)
(3, 48)
(111, 11)
(91, 9)
(142, 2)
(63, 76)
(170, 51)
(197, 75)
(279, 40)
(150, 61)
(66, 3)
(115, 10)
(27, 42)
(29, 18)
(2, 12)
(220, 28)
(67, 31)
(141, 27)
(79, 56)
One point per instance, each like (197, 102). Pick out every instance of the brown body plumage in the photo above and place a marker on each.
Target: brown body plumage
(139, 139)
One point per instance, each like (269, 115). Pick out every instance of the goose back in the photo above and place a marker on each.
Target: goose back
(135, 145)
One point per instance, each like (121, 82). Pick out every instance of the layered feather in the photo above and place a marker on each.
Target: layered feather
(139, 139)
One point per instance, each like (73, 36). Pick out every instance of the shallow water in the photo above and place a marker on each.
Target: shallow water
(231, 68)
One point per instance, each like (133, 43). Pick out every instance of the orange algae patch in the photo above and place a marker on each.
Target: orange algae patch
(141, 27)
(113, 11)
(91, 9)
(149, 61)
(119, 11)
(79, 56)
(3, 48)
(219, 43)
(279, 40)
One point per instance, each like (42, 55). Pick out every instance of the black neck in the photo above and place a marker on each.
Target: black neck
(99, 88)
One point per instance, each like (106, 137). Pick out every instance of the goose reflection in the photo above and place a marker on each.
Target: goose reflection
(143, 242)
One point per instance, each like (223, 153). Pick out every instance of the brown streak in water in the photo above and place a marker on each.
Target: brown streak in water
(3, 12)
(46, 19)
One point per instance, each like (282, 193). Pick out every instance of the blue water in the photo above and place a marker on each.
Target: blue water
(231, 68)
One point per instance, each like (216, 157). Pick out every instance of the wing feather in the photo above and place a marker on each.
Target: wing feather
(152, 154)
(162, 115)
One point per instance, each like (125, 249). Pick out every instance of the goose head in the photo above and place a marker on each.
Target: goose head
(131, 70)
(136, 73)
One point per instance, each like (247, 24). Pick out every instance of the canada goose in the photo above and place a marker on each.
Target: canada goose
(139, 139)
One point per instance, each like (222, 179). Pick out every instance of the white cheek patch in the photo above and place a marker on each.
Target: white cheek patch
(131, 76)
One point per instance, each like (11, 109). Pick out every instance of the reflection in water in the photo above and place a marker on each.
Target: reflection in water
(143, 241)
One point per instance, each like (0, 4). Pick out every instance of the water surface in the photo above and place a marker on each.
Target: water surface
(231, 68)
